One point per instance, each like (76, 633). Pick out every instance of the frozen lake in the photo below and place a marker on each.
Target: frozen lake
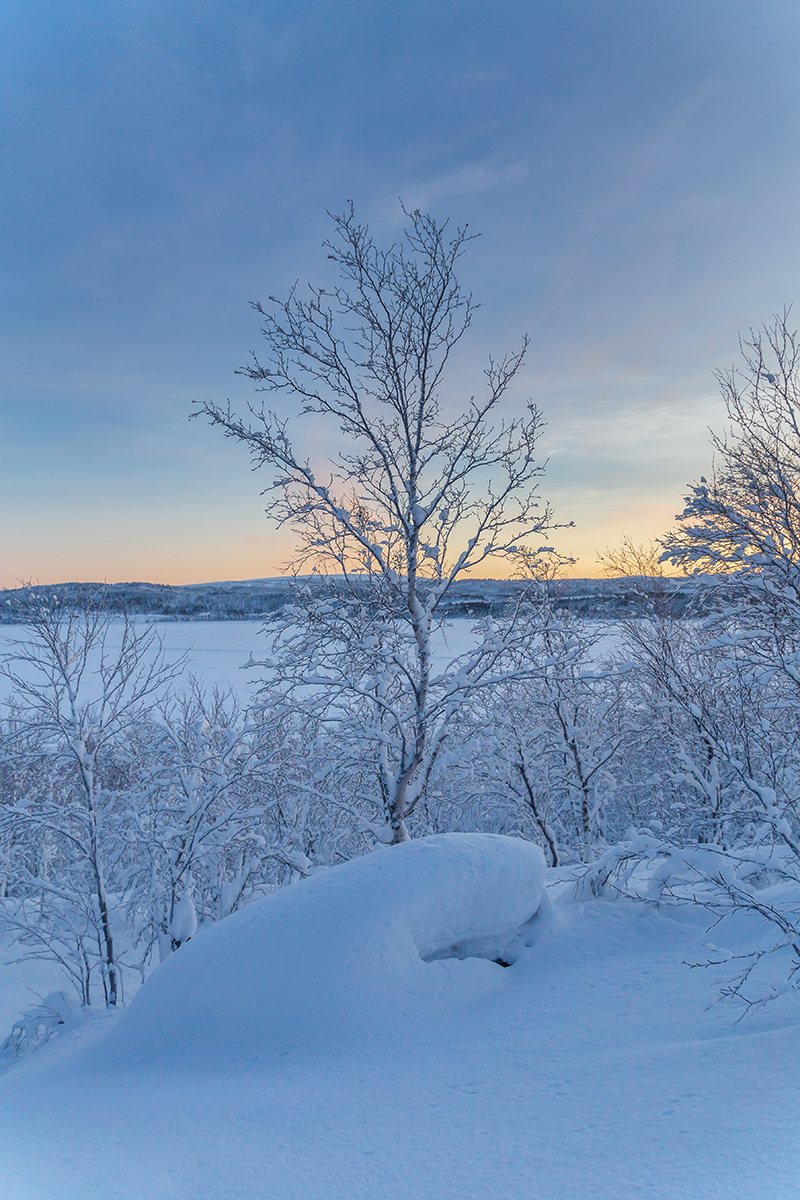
(216, 651)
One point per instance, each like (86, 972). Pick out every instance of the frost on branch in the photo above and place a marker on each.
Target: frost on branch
(418, 495)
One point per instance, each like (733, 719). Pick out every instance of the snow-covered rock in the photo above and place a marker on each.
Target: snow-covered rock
(348, 952)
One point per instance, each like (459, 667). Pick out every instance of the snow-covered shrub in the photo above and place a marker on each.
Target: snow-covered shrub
(196, 840)
(755, 888)
(77, 690)
(129, 813)
(39, 1024)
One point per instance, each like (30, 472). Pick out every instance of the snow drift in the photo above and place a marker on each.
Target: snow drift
(349, 952)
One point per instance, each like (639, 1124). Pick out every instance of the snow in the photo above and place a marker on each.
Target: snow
(218, 653)
(351, 1037)
(184, 920)
(339, 955)
(23, 983)
(303, 1050)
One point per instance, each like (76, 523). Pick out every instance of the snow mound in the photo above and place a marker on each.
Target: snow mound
(344, 954)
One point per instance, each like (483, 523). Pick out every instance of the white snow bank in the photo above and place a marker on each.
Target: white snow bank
(347, 952)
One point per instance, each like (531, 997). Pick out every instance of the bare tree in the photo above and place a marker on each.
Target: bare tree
(723, 687)
(77, 683)
(745, 519)
(559, 736)
(743, 525)
(418, 496)
(200, 817)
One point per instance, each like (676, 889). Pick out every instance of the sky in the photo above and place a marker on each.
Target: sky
(632, 167)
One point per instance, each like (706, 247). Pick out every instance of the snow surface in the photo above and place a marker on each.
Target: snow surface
(337, 956)
(23, 983)
(303, 1050)
(217, 651)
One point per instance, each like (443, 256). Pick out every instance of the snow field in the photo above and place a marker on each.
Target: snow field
(326, 1043)
(216, 651)
(589, 1070)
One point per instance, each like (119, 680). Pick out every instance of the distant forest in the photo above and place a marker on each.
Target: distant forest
(248, 600)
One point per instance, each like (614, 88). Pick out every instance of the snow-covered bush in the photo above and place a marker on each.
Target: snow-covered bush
(754, 888)
(39, 1024)
(76, 693)
(197, 840)
(128, 812)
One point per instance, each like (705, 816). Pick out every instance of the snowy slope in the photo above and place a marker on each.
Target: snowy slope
(589, 1070)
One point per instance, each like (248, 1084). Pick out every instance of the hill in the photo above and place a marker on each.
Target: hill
(249, 599)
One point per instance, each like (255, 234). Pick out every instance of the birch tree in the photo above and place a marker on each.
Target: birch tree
(742, 525)
(725, 688)
(200, 819)
(78, 684)
(422, 491)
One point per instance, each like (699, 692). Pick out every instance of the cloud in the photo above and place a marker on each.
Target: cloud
(469, 179)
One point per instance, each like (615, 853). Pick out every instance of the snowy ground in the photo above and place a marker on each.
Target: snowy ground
(216, 651)
(589, 1070)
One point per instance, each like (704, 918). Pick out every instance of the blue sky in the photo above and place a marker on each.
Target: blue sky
(633, 168)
